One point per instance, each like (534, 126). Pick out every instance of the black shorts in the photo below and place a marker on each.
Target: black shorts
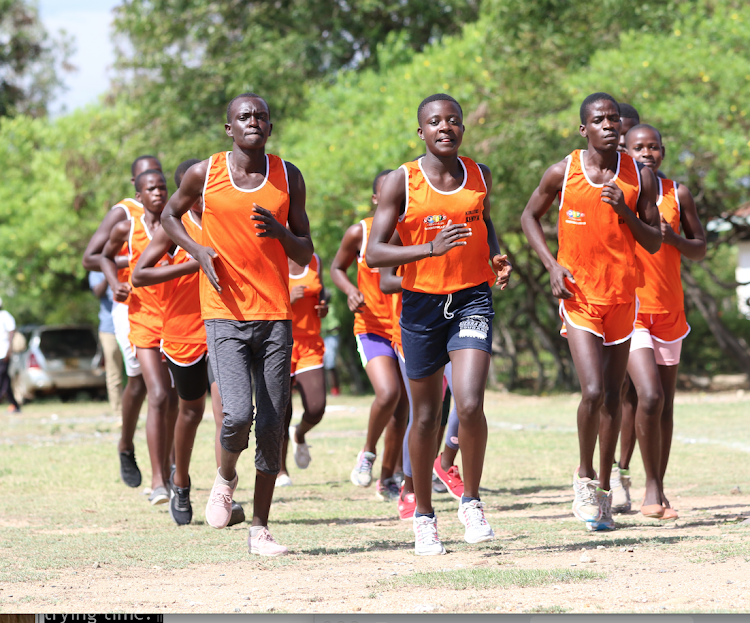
(432, 325)
(190, 381)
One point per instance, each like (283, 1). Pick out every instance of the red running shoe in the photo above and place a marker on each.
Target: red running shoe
(407, 506)
(451, 478)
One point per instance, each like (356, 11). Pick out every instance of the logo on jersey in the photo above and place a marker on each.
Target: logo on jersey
(434, 219)
(575, 217)
(477, 327)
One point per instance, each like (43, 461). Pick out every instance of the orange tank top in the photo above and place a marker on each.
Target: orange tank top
(427, 211)
(133, 209)
(253, 272)
(396, 318)
(182, 313)
(146, 307)
(662, 292)
(305, 322)
(595, 244)
(375, 316)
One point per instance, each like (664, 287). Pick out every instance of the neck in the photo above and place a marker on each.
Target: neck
(601, 159)
(441, 164)
(249, 160)
(153, 219)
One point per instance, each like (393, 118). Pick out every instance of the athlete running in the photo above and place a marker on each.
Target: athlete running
(441, 209)
(135, 389)
(248, 197)
(660, 327)
(145, 315)
(373, 332)
(308, 307)
(607, 204)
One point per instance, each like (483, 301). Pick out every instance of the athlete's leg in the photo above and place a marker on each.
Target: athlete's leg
(644, 374)
(450, 450)
(189, 418)
(132, 400)
(668, 375)
(614, 366)
(312, 390)
(627, 428)
(384, 375)
(112, 370)
(285, 442)
(218, 420)
(470, 370)
(394, 436)
(173, 409)
(427, 400)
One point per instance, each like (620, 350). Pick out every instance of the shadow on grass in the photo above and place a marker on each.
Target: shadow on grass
(612, 543)
(530, 490)
(333, 520)
(371, 546)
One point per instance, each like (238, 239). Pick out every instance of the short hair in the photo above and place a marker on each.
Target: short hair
(629, 112)
(383, 173)
(438, 97)
(146, 157)
(592, 99)
(144, 174)
(182, 169)
(242, 96)
(642, 126)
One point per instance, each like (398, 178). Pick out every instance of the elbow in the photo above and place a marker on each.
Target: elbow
(700, 253)
(372, 257)
(654, 246)
(138, 279)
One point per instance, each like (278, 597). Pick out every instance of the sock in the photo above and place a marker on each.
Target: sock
(227, 483)
(466, 500)
(430, 515)
(255, 530)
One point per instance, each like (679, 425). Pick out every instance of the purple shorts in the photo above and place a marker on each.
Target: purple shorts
(370, 345)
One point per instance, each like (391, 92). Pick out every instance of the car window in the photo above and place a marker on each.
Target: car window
(63, 343)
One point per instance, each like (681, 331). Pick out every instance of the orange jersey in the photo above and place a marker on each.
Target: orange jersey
(596, 245)
(182, 312)
(306, 322)
(396, 332)
(428, 210)
(375, 316)
(662, 291)
(253, 272)
(133, 209)
(146, 306)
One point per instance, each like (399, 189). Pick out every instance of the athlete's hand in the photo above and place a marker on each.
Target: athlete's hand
(557, 277)
(205, 257)
(612, 194)
(502, 268)
(296, 293)
(355, 300)
(267, 225)
(452, 235)
(322, 309)
(667, 233)
(122, 291)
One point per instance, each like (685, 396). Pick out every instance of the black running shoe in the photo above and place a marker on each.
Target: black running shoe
(180, 508)
(238, 514)
(129, 471)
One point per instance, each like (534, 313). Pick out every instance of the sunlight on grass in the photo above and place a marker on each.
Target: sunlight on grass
(461, 579)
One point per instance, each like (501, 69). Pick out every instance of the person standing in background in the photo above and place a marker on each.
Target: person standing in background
(112, 355)
(7, 330)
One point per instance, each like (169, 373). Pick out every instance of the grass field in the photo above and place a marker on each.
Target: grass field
(73, 538)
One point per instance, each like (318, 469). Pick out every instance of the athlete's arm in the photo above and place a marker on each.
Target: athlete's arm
(693, 244)
(171, 220)
(92, 254)
(322, 306)
(296, 239)
(390, 282)
(100, 289)
(345, 256)
(539, 202)
(380, 253)
(146, 271)
(107, 265)
(500, 263)
(645, 226)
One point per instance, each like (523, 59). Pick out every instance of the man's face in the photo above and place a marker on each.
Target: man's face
(441, 127)
(602, 127)
(625, 124)
(250, 123)
(644, 145)
(153, 193)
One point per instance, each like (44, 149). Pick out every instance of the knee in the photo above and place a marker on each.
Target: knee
(651, 401)
(469, 410)
(192, 415)
(592, 395)
(388, 396)
(314, 415)
(425, 426)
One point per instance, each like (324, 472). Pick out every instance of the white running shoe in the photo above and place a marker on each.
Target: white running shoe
(301, 451)
(585, 505)
(620, 485)
(361, 475)
(283, 480)
(605, 522)
(471, 515)
(426, 540)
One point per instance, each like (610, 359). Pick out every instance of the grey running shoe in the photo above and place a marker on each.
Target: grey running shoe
(620, 483)
(129, 471)
(362, 473)
(160, 495)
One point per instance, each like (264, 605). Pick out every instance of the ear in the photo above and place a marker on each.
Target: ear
(374, 199)
(582, 131)
(138, 196)
(228, 130)
(132, 180)
(270, 128)
(663, 152)
(420, 134)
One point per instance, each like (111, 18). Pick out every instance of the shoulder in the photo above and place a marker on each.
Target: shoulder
(291, 169)
(121, 230)
(395, 181)
(554, 176)
(354, 232)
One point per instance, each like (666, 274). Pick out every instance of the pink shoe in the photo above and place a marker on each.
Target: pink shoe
(451, 479)
(407, 506)
(264, 544)
(219, 507)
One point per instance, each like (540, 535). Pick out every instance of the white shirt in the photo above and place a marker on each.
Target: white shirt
(7, 324)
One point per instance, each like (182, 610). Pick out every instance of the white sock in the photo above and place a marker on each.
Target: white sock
(255, 530)
(226, 483)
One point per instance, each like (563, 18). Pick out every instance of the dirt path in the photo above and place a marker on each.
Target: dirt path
(677, 575)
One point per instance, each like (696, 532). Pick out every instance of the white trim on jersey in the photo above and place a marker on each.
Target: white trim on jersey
(569, 158)
(249, 190)
(617, 171)
(445, 192)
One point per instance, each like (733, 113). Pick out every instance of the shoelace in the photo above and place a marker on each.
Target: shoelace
(454, 474)
(606, 506)
(475, 515)
(183, 500)
(365, 465)
(221, 499)
(587, 493)
(265, 535)
(427, 533)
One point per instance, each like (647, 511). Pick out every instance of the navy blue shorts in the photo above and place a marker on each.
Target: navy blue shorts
(432, 325)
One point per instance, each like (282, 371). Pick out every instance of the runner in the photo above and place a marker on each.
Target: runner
(661, 326)
(595, 276)
(372, 330)
(308, 375)
(145, 315)
(436, 204)
(135, 389)
(629, 118)
(245, 297)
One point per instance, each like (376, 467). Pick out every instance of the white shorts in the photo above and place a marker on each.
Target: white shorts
(665, 353)
(122, 334)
